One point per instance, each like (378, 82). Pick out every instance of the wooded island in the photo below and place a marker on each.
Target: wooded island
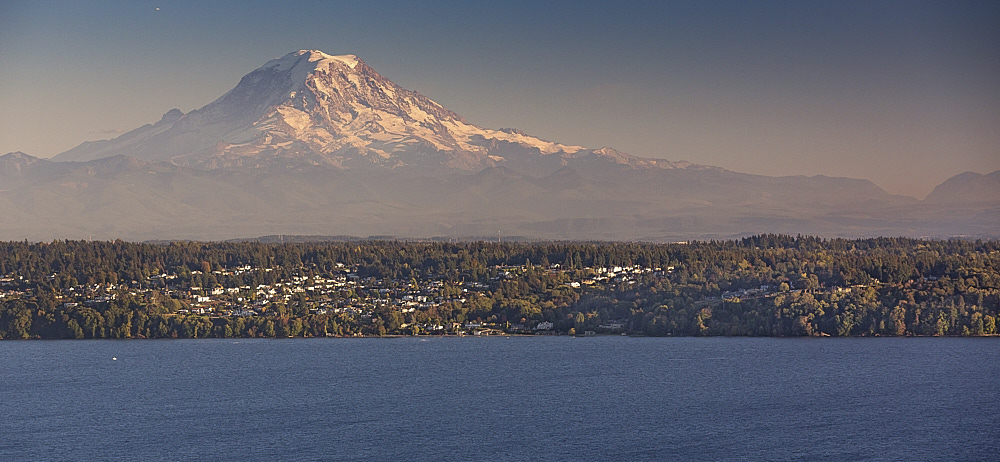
(766, 285)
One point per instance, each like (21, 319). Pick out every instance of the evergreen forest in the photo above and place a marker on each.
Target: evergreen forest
(765, 285)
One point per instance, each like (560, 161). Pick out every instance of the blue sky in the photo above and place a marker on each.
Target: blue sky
(903, 93)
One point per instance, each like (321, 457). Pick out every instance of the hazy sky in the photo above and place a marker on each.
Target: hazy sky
(903, 93)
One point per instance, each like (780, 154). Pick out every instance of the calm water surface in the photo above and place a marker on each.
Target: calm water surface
(603, 398)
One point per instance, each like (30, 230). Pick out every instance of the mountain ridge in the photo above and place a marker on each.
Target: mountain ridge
(120, 197)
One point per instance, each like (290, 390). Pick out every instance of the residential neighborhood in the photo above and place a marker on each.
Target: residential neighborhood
(339, 292)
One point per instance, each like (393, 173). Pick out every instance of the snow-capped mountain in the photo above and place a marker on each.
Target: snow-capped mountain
(313, 108)
(314, 144)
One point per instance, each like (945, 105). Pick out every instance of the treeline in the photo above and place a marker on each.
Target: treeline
(127, 318)
(811, 286)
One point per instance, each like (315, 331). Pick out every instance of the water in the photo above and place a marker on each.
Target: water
(603, 398)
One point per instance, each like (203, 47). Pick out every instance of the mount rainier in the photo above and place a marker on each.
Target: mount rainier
(315, 144)
(311, 108)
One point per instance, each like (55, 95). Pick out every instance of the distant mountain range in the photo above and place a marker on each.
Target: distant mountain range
(314, 144)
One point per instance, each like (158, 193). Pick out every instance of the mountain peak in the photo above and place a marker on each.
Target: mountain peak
(967, 187)
(311, 59)
(14, 163)
(17, 155)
